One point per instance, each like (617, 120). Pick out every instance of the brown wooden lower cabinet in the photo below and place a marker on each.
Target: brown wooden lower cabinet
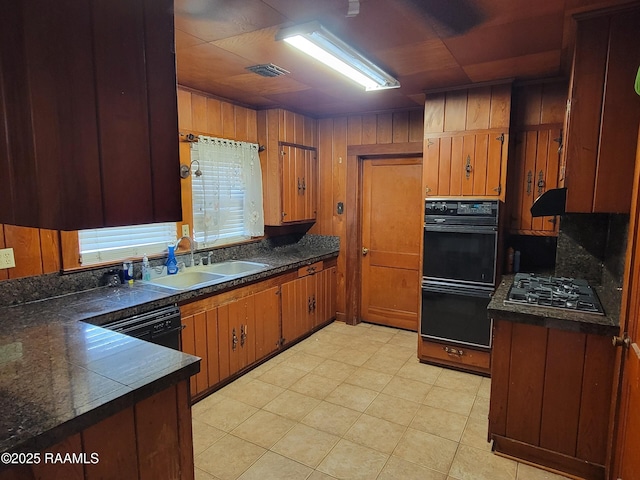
(550, 397)
(234, 330)
(307, 302)
(149, 440)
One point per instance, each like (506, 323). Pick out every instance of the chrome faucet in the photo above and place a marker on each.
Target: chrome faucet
(191, 247)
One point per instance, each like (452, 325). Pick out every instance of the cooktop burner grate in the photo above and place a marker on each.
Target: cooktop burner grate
(555, 292)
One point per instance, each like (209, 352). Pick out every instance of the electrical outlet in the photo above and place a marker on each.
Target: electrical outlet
(185, 230)
(7, 259)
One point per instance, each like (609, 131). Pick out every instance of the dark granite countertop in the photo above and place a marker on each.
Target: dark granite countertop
(554, 318)
(60, 372)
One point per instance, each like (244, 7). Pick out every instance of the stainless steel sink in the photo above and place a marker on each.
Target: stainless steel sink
(188, 280)
(236, 267)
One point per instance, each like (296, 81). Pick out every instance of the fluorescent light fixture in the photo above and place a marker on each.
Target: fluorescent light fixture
(316, 41)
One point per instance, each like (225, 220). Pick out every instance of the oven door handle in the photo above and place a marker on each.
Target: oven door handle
(168, 332)
(428, 227)
(461, 290)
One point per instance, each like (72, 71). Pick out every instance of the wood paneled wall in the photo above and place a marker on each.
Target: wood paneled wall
(38, 251)
(335, 135)
(202, 114)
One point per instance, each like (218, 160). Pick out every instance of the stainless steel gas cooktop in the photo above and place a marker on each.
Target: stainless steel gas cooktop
(554, 292)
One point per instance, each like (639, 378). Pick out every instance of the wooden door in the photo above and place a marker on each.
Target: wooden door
(627, 460)
(295, 309)
(293, 178)
(392, 225)
(289, 185)
(227, 341)
(325, 296)
(188, 345)
(248, 331)
(194, 342)
(289, 304)
(310, 184)
(267, 322)
(299, 166)
(212, 356)
(311, 294)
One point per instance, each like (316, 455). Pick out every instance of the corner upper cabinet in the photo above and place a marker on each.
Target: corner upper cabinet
(603, 113)
(289, 166)
(466, 133)
(88, 95)
(534, 163)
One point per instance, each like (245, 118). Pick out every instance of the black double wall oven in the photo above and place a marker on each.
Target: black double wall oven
(459, 270)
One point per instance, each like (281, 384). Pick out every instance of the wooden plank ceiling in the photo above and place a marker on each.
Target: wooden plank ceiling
(217, 39)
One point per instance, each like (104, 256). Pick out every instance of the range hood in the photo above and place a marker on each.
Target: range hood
(551, 202)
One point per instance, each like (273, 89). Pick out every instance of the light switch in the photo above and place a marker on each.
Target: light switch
(7, 259)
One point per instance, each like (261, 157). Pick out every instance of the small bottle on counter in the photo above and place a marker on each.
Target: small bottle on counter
(510, 255)
(127, 271)
(146, 268)
(172, 263)
(516, 261)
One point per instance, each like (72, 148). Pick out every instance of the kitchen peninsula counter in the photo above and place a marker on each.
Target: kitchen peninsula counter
(551, 383)
(61, 373)
(562, 319)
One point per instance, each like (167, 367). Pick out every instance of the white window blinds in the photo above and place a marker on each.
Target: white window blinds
(227, 196)
(111, 244)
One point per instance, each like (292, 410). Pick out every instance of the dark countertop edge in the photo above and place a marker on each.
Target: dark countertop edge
(552, 322)
(544, 317)
(41, 441)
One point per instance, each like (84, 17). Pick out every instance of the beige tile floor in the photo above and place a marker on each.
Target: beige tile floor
(351, 403)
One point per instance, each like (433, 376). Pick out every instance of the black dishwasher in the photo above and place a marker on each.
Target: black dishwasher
(160, 326)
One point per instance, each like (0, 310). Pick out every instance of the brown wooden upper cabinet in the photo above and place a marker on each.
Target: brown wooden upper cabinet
(289, 166)
(466, 133)
(603, 112)
(88, 95)
(534, 159)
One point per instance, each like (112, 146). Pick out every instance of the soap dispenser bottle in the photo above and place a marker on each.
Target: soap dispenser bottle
(146, 269)
(172, 263)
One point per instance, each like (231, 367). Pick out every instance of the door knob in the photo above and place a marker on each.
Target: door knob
(365, 250)
(623, 341)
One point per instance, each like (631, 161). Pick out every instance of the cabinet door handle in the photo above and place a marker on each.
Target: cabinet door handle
(299, 186)
(234, 340)
(310, 304)
(304, 185)
(541, 183)
(243, 335)
(454, 352)
(529, 182)
(624, 341)
(468, 167)
(314, 303)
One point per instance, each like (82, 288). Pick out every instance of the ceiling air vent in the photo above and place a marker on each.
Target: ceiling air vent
(268, 70)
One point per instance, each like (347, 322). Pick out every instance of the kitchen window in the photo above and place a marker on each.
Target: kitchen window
(102, 245)
(226, 185)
